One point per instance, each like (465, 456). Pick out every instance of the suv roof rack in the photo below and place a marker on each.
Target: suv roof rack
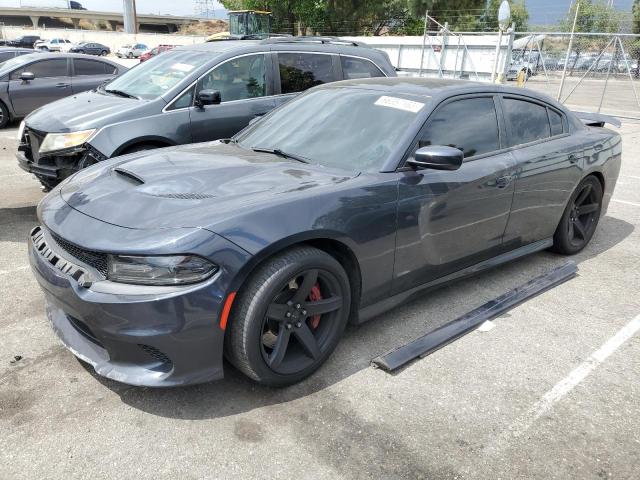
(314, 39)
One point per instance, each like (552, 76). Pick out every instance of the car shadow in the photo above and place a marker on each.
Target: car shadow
(236, 394)
(16, 223)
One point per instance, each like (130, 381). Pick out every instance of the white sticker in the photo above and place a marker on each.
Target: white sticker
(183, 67)
(399, 103)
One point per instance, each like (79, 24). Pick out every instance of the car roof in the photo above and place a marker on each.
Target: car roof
(15, 49)
(436, 87)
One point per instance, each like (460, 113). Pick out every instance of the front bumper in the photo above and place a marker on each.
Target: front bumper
(53, 166)
(157, 337)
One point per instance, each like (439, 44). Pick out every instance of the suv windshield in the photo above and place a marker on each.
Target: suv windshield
(350, 128)
(154, 78)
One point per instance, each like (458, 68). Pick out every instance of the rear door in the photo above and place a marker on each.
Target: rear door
(245, 87)
(449, 220)
(52, 82)
(88, 74)
(548, 168)
(296, 72)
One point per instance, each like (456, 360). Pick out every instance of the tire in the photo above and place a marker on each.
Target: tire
(80, 51)
(5, 117)
(271, 336)
(130, 55)
(103, 53)
(580, 218)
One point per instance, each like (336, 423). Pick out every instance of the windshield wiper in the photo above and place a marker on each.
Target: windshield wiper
(120, 93)
(280, 153)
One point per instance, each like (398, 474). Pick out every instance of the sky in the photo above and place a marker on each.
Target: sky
(540, 11)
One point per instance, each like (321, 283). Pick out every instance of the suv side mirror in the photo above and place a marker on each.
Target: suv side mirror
(27, 76)
(437, 157)
(208, 97)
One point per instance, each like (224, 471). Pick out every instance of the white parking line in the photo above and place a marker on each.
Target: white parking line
(564, 386)
(14, 175)
(625, 202)
(4, 272)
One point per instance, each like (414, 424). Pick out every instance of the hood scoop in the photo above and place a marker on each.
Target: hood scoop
(183, 196)
(129, 175)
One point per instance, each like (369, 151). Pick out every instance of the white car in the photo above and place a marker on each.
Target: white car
(131, 50)
(55, 45)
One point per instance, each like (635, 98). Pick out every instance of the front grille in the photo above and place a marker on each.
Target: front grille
(96, 260)
(157, 355)
(84, 330)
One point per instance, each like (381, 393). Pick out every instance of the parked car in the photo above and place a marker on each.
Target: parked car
(527, 62)
(30, 81)
(339, 205)
(189, 94)
(56, 45)
(7, 53)
(25, 41)
(131, 51)
(91, 48)
(155, 51)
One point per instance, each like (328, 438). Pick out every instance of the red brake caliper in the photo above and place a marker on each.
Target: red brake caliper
(314, 296)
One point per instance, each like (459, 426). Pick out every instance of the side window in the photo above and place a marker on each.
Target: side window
(184, 101)
(300, 71)
(88, 67)
(470, 125)
(358, 68)
(528, 121)
(237, 79)
(555, 119)
(44, 69)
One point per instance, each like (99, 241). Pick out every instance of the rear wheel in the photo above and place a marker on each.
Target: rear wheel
(580, 218)
(4, 115)
(103, 53)
(289, 317)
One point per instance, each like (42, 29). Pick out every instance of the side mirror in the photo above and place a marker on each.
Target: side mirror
(27, 76)
(437, 157)
(208, 97)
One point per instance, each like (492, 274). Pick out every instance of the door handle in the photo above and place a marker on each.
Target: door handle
(62, 85)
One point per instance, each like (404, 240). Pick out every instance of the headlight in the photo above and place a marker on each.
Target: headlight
(21, 131)
(160, 270)
(60, 141)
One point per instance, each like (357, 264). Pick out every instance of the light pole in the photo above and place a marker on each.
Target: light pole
(504, 15)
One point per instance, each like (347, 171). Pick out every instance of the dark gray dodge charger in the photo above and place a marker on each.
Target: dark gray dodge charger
(335, 207)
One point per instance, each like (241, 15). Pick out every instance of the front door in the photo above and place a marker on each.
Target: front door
(245, 91)
(449, 220)
(52, 82)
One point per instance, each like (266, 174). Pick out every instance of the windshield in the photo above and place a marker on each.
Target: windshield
(353, 129)
(155, 77)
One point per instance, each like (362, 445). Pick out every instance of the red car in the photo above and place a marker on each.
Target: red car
(155, 51)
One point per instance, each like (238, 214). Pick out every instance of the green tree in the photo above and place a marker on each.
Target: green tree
(461, 15)
(634, 48)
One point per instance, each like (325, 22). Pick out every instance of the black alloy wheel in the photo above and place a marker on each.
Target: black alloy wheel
(580, 218)
(289, 317)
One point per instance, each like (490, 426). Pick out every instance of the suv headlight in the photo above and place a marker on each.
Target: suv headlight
(60, 141)
(159, 270)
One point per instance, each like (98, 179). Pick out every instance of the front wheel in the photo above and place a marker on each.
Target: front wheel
(289, 317)
(103, 53)
(580, 218)
(4, 115)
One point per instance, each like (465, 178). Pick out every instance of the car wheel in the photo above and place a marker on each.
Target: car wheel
(80, 51)
(289, 317)
(130, 55)
(4, 115)
(580, 218)
(103, 53)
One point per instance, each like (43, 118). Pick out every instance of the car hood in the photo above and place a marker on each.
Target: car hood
(81, 112)
(192, 186)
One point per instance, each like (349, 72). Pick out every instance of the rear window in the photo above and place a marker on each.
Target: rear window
(300, 71)
(555, 119)
(358, 68)
(528, 121)
(89, 67)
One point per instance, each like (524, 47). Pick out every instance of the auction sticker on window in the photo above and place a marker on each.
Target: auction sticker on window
(399, 103)
(182, 67)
